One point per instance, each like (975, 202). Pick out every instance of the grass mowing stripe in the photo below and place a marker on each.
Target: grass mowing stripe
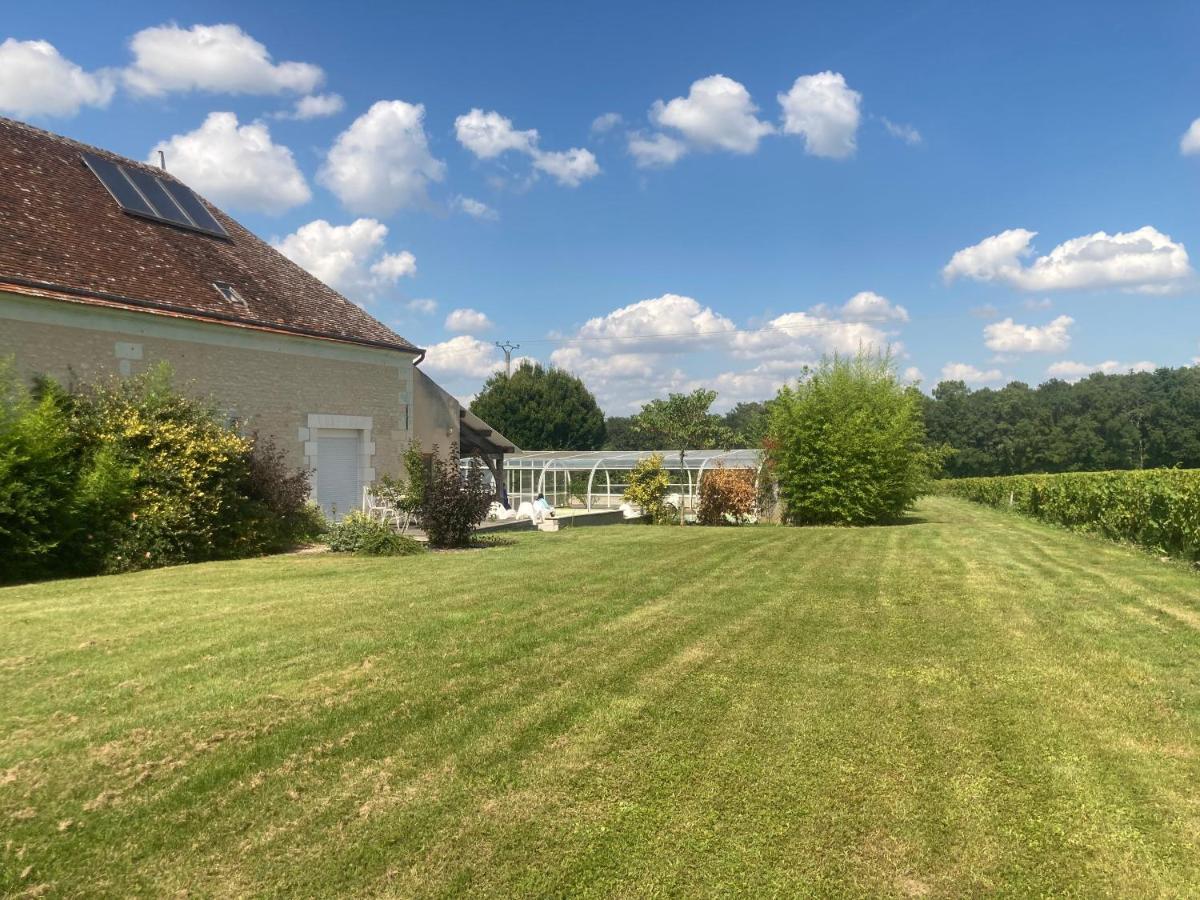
(567, 745)
(961, 705)
(455, 738)
(1081, 677)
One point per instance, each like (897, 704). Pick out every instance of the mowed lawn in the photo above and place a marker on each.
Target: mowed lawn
(970, 703)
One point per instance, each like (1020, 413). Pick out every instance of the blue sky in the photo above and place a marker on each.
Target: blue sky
(935, 176)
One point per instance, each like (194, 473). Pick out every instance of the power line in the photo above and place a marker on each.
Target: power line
(508, 347)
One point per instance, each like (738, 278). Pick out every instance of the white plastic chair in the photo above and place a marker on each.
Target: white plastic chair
(376, 508)
(498, 512)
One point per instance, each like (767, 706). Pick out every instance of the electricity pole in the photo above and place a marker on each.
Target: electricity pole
(508, 347)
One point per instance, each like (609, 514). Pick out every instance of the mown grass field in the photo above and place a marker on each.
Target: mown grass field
(971, 703)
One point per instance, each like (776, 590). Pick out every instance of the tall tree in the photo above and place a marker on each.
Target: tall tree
(748, 423)
(621, 435)
(541, 409)
(684, 421)
(1136, 420)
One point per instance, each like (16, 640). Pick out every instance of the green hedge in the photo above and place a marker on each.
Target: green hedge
(128, 474)
(1155, 508)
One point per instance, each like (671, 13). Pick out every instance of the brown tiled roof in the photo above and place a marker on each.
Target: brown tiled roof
(62, 235)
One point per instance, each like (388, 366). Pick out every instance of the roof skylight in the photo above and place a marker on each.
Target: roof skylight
(229, 292)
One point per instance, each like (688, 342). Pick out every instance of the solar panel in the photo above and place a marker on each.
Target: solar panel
(143, 194)
(193, 207)
(158, 198)
(118, 185)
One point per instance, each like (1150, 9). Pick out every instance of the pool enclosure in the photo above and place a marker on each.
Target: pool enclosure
(595, 479)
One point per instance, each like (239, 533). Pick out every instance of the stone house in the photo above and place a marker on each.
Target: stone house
(108, 266)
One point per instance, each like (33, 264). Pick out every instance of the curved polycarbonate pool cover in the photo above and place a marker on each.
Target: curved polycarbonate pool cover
(594, 477)
(586, 460)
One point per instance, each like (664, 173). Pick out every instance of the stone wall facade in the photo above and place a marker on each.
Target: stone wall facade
(277, 385)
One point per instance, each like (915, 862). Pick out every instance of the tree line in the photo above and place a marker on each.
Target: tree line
(743, 426)
(1132, 421)
(540, 408)
(1140, 420)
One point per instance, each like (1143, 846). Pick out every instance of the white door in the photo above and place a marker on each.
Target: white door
(339, 482)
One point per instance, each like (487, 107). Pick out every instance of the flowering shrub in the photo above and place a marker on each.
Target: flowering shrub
(182, 467)
(1156, 508)
(727, 496)
(647, 489)
(130, 474)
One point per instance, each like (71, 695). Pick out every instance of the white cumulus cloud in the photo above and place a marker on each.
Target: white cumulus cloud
(1068, 370)
(489, 134)
(1007, 336)
(606, 122)
(655, 150)
(235, 166)
(626, 356)
(734, 387)
(1145, 260)
(314, 106)
(810, 334)
(717, 114)
(568, 167)
(391, 267)
(641, 350)
(1189, 144)
(423, 305)
(467, 320)
(382, 162)
(214, 58)
(995, 258)
(957, 371)
(36, 80)
(621, 381)
(659, 323)
(825, 111)
(867, 306)
(476, 209)
(349, 258)
(793, 341)
(640, 366)
(464, 355)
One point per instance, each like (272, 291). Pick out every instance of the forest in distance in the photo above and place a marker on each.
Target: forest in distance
(1139, 420)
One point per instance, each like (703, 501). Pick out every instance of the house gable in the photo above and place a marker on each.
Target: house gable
(63, 234)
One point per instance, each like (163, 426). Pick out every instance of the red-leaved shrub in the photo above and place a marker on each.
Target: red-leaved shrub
(727, 496)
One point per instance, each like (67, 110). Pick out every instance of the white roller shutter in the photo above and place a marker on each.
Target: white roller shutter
(339, 481)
